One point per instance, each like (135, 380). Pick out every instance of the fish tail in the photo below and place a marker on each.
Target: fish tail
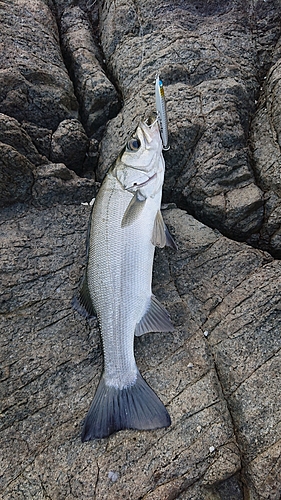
(133, 407)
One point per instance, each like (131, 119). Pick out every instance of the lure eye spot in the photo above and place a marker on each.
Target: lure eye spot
(133, 144)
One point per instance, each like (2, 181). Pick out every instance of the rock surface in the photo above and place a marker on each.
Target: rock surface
(210, 372)
(219, 372)
(97, 96)
(213, 60)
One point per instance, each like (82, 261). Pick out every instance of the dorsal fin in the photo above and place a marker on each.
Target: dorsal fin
(82, 301)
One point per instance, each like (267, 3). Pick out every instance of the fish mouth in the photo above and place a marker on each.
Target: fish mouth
(151, 120)
(149, 128)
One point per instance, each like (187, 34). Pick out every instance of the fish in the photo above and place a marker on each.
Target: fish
(126, 226)
(162, 112)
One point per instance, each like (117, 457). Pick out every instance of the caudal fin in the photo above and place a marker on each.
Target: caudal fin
(134, 407)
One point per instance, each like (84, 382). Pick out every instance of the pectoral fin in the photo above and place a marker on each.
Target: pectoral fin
(134, 209)
(161, 235)
(156, 319)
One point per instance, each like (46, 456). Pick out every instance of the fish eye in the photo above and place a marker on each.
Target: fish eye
(133, 144)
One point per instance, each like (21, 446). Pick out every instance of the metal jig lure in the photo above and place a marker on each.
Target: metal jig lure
(161, 112)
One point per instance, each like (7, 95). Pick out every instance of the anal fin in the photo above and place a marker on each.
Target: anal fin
(156, 319)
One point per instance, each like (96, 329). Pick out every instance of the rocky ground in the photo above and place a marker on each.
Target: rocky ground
(76, 78)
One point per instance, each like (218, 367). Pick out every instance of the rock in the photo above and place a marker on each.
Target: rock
(97, 96)
(266, 140)
(55, 183)
(236, 292)
(210, 364)
(16, 176)
(211, 75)
(13, 134)
(34, 83)
(70, 145)
(219, 372)
(61, 354)
(41, 137)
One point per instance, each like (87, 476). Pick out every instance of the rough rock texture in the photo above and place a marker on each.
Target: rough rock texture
(16, 177)
(34, 82)
(36, 89)
(70, 145)
(212, 58)
(210, 372)
(55, 183)
(219, 372)
(266, 143)
(96, 94)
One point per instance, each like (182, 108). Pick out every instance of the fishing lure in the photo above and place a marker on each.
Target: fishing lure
(161, 112)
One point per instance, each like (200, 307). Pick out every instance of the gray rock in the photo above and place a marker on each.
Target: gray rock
(211, 67)
(219, 372)
(266, 140)
(16, 176)
(41, 137)
(238, 298)
(59, 370)
(209, 372)
(55, 183)
(97, 96)
(34, 83)
(13, 134)
(70, 145)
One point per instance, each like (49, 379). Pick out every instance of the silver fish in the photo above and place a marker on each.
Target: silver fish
(161, 112)
(126, 225)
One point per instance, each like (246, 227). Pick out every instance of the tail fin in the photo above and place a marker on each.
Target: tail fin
(134, 407)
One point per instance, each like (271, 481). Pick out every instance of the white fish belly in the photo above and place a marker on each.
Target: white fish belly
(119, 276)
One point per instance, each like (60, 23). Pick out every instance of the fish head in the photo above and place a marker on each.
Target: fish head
(140, 166)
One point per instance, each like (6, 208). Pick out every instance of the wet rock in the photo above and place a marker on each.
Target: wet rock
(97, 96)
(70, 145)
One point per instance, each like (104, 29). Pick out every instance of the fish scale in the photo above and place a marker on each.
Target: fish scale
(126, 225)
(126, 281)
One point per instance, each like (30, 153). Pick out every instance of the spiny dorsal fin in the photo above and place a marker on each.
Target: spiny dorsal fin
(82, 302)
(134, 209)
(156, 319)
(161, 235)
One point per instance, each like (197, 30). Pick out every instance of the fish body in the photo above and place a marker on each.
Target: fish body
(126, 226)
(161, 112)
